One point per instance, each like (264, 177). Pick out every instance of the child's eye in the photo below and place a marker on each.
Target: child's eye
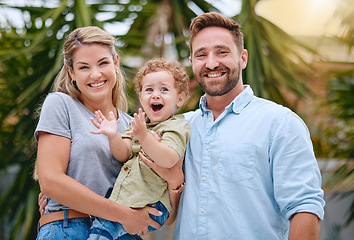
(148, 90)
(164, 89)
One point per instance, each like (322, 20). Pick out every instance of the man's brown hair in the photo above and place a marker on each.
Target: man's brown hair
(213, 19)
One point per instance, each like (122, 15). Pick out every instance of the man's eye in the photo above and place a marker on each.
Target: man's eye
(200, 55)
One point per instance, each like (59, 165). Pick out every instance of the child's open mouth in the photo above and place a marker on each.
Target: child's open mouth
(156, 107)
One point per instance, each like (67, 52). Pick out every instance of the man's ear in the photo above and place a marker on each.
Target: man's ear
(244, 58)
(181, 99)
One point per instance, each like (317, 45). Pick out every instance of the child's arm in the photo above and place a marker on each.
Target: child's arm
(162, 154)
(175, 177)
(120, 148)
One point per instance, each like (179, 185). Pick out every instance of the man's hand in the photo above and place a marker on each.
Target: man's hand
(42, 202)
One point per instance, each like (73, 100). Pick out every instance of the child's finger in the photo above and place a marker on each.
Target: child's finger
(111, 115)
(95, 123)
(96, 132)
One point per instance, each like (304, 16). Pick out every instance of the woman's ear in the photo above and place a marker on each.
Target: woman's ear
(116, 63)
(70, 71)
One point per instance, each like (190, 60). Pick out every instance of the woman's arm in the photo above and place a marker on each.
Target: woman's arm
(52, 161)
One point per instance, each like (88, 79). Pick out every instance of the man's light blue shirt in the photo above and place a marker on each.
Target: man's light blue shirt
(247, 172)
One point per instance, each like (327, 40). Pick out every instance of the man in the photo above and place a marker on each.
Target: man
(250, 170)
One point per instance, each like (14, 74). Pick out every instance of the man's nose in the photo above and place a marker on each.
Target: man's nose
(212, 61)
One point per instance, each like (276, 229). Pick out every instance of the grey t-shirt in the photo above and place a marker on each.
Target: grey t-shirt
(91, 162)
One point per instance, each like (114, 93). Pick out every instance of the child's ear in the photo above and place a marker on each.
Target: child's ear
(181, 99)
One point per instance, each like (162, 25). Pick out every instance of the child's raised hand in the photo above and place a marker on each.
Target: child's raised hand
(105, 126)
(139, 129)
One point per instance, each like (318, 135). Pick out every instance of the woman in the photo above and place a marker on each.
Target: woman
(75, 168)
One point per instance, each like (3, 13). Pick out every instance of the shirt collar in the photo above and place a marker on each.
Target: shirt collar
(237, 105)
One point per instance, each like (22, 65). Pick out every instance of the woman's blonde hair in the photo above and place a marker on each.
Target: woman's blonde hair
(88, 35)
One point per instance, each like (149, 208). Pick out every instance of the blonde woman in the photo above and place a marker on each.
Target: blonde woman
(76, 169)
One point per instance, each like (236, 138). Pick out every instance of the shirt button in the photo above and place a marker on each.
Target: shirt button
(202, 210)
(210, 119)
(204, 178)
(126, 168)
(207, 147)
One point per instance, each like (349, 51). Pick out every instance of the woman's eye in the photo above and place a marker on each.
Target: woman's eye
(103, 63)
(83, 67)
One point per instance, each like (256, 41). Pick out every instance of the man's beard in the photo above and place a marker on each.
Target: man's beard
(232, 79)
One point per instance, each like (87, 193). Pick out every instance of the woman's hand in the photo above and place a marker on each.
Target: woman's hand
(42, 202)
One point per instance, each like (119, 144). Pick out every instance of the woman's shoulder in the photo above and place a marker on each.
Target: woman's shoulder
(59, 96)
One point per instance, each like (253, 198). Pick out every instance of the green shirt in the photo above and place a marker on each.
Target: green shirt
(137, 184)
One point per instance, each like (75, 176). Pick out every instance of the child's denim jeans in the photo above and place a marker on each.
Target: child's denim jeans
(103, 229)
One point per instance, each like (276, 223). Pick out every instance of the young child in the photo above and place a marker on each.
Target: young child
(162, 86)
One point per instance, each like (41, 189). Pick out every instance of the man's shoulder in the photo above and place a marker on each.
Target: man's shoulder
(266, 106)
(192, 114)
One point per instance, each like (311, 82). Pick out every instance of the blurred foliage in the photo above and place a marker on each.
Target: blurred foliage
(30, 58)
(276, 67)
(340, 136)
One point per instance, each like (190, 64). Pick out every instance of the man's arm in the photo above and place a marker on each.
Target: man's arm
(304, 226)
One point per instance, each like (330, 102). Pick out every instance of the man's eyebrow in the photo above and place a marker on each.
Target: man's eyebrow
(222, 46)
(199, 50)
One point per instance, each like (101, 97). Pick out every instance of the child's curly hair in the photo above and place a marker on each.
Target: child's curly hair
(158, 64)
